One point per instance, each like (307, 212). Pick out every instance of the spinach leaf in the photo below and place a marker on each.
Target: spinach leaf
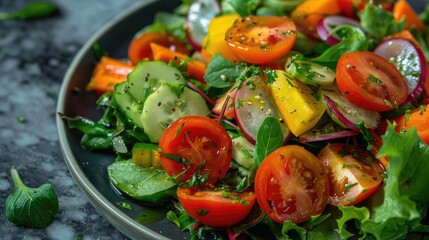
(31, 207)
(268, 138)
(379, 23)
(353, 39)
(222, 73)
(96, 136)
(30, 11)
(141, 183)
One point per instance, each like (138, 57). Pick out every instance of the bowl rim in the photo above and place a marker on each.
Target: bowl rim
(114, 215)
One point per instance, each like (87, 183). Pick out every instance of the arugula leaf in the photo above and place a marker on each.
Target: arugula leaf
(222, 73)
(380, 23)
(353, 39)
(268, 138)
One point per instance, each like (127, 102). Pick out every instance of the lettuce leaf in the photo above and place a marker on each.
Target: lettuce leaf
(404, 197)
(380, 23)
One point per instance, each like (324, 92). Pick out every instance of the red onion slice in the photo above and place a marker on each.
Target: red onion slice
(347, 114)
(409, 60)
(200, 14)
(340, 115)
(325, 26)
(308, 137)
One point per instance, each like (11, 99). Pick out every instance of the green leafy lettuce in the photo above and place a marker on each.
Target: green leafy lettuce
(403, 204)
(379, 23)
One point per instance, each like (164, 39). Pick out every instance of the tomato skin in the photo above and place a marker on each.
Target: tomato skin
(354, 173)
(291, 184)
(216, 208)
(139, 47)
(205, 146)
(370, 81)
(261, 39)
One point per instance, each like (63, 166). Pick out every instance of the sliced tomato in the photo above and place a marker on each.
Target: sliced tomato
(197, 148)
(350, 8)
(291, 184)
(216, 208)
(370, 81)
(261, 39)
(354, 174)
(139, 47)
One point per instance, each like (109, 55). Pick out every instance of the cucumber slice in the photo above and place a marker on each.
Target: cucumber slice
(311, 73)
(243, 152)
(149, 75)
(164, 106)
(127, 105)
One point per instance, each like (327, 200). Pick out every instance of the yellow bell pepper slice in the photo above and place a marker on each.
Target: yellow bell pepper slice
(296, 102)
(214, 42)
(144, 156)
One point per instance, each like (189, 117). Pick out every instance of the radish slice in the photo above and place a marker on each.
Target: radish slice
(252, 106)
(347, 114)
(200, 14)
(409, 60)
(325, 26)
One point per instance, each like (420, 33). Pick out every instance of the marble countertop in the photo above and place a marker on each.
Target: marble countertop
(34, 58)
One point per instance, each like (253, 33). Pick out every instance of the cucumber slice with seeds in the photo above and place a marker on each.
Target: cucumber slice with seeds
(164, 106)
(127, 105)
(149, 75)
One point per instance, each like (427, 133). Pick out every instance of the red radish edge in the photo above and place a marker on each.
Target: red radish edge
(339, 115)
(417, 91)
(324, 31)
(196, 89)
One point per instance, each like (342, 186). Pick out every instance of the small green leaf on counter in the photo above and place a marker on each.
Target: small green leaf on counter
(31, 207)
(20, 119)
(31, 11)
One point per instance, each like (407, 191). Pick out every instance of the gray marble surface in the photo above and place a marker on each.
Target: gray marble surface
(34, 56)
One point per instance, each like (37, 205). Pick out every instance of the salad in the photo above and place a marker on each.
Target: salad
(272, 119)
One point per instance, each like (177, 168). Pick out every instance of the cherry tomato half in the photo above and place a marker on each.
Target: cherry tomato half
(216, 208)
(370, 81)
(261, 39)
(139, 47)
(354, 173)
(291, 184)
(196, 147)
